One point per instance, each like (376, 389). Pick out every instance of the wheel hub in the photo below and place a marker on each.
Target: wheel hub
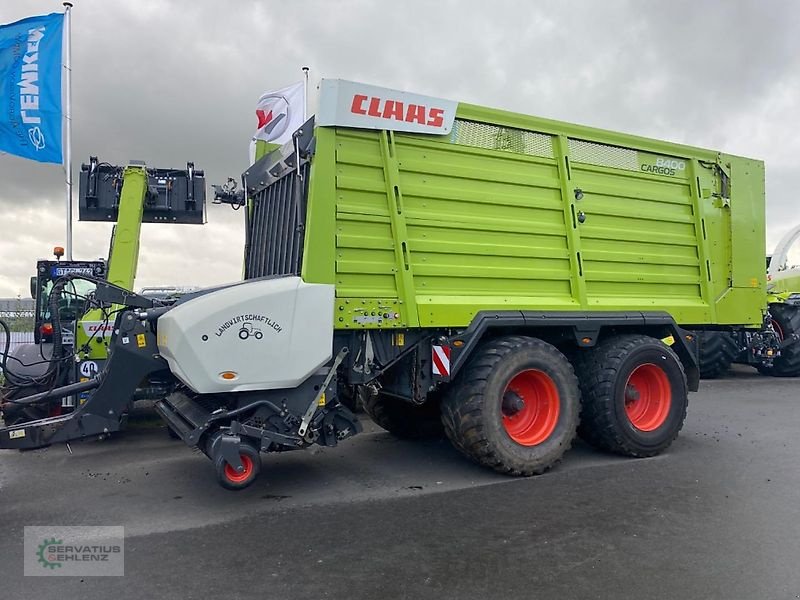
(530, 407)
(647, 397)
(242, 473)
(512, 403)
(631, 394)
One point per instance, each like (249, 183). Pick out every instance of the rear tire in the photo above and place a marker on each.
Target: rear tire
(716, 351)
(786, 321)
(634, 396)
(514, 407)
(401, 418)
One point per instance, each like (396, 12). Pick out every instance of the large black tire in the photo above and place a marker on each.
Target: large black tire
(403, 419)
(716, 351)
(634, 395)
(514, 406)
(786, 321)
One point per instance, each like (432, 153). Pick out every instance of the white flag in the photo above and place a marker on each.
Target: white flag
(280, 114)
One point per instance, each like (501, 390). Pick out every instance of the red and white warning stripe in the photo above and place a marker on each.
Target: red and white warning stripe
(441, 360)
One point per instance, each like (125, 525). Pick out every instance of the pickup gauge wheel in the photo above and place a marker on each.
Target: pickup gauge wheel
(230, 478)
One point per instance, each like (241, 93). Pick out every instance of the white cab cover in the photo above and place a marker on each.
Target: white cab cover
(257, 335)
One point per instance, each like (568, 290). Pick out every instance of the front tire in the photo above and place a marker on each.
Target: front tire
(634, 396)
(514, 407)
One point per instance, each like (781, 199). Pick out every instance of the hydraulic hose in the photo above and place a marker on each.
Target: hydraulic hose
(52, 375)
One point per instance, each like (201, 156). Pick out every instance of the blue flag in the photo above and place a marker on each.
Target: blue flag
(30, 88)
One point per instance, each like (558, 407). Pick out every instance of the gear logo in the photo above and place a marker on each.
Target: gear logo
(45, 558)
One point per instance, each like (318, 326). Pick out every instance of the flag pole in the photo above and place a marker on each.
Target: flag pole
(67, 143)
(305, 94)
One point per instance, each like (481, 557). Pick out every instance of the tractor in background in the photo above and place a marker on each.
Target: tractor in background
(775, 349)
(30, 362)
(72, 335)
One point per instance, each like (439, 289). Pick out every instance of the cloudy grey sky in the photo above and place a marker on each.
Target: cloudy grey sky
(170, 81)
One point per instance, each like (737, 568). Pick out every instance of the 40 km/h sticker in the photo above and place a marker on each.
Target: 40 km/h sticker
(89, 368)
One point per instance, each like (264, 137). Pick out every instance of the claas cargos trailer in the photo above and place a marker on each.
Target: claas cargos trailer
(507, 279)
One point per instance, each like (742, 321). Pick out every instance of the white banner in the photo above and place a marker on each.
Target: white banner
(349, 104)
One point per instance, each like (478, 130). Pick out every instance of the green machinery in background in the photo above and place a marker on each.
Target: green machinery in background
(31, 361)
(126, 196)
(775, 348)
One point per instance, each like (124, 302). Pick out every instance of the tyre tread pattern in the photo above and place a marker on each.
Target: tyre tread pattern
(462, 408)
(599, 371)
(716, 352)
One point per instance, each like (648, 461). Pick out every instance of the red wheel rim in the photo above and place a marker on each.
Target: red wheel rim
(530, 407)
(648, 397)
(234, 477)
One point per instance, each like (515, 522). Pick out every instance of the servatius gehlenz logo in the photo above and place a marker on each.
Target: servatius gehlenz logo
(53, 553)
(29, 88)
(83, 550)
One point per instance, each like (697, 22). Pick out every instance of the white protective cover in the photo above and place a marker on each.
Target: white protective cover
(271, 333)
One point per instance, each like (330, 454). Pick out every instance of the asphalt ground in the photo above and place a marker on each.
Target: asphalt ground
(717, 516)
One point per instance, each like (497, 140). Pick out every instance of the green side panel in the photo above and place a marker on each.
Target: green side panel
(747, 208)
(783, 285)
(320, 244)
(511, 212)
(639, 241)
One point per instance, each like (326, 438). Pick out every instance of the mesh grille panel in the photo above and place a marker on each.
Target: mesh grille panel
(276, 229)
(602, 155)
(508, 139)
